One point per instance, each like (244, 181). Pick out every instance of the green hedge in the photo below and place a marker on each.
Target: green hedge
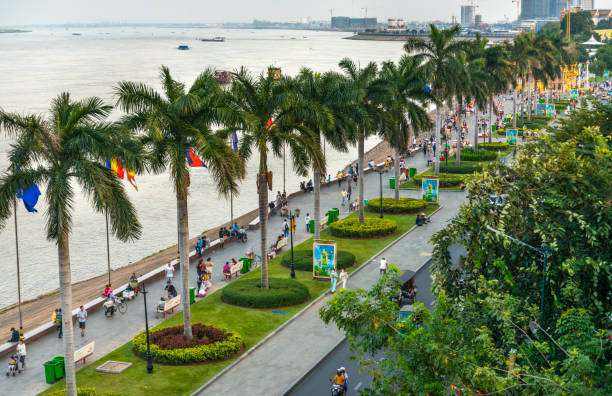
(199, 353)
(281, 293)
(372, 227)
(446, 180)
(469, 154)
(466, 167)
(303, 261)
(86, 392)
(389, 205)
(495, 146)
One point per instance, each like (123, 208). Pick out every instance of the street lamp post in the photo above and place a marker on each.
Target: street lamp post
(291, 230)
(148, 355)
(380, 171)
(545, 251)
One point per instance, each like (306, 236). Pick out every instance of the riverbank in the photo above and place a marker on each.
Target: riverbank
(14, 31)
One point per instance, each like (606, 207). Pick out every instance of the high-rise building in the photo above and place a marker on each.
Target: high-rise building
(583, 4)
(542, 9)
(468, 15)
(341, 22)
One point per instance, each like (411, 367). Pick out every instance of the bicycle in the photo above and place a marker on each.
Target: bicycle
(122, 307)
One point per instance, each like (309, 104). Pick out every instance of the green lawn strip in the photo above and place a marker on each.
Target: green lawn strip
(252, 324)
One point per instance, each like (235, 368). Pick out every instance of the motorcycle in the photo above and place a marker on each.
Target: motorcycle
(336, 390)
(242, 236)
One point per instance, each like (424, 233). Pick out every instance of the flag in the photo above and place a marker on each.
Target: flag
(29, 197)
(192, 159)
(270, 124)
(131, 179)
(115, 167)
(235, 140)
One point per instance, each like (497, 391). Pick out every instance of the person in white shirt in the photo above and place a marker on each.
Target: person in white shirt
(169, 272)
(383, 266)
(307, 218)
(21, 351)
(343, 278)
(82, 316)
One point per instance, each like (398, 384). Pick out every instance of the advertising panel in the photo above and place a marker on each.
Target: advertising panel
(324, 258)
(430, 189)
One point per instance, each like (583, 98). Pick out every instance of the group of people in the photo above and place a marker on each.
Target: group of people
(335, 277)
(306, 186)
(19, 356)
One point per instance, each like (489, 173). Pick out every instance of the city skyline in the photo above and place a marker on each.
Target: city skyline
(42, 12)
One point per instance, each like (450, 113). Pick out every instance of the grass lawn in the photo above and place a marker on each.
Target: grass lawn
(252, 324)
(430, 172)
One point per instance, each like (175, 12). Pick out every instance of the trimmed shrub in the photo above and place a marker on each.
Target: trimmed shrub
(390, 205)
(495, 146)
(208, 344)
(86, 392)
(281, 293)
(446, 180)
(372, 227)
(465, 168)
(303, 260)
(469, 154)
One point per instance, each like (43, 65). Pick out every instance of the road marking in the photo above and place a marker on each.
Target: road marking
(425, 254)
(358, 386)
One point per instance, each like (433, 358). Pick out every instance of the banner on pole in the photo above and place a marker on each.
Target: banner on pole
(550, 110)
(430, 189)
(511, 135)
(324, 258)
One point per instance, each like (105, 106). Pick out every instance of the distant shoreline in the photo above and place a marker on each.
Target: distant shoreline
(14, 31)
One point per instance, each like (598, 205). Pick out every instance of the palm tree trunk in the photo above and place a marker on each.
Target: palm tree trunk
(317, 204)
(475, 126)
(360, 155)
(529, 98)
(490, 130)
(396, 155)
(66, 304)
(262, 190)
(458, 153)
(514, 108)
(183, 246)
(438, 148)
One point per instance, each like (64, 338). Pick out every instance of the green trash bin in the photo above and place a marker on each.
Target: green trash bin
(330, 217)
(50, 371)
(60, 367)
(246, 264)
(392, 182)
(191, 295)
(312, 226)
(412, 172)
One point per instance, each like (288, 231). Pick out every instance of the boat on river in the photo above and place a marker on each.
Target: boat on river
(217, 39)
(183, 47)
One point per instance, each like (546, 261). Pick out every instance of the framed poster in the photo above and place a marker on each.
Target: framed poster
(606, 74)
(430, 189)
(550, 110)
(541, 108)
(324, 258)
(574, 94)
(511, 135)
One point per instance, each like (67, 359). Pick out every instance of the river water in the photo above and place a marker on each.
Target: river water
(36, 66)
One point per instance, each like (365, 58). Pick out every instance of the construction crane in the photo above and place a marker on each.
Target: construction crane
(366, 12)
(331, 12)
(568, 17)
(518, 9)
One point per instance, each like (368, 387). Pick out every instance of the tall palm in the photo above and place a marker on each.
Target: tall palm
(171, 123)
(499, 76)
(441, 53)
(475, 86)
(522, 57)
(329, 99)
(400, 90)
(550, 60)
(255, 102)
(70, 146)
(366, 114)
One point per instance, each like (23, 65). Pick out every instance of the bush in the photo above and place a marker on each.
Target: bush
(465, 168)
(469, 154)
(209, 343)
(372, 227)
(282, 293)
(86, 392)
(405, 205)
(495, 146)
(303, 260)
(445, 180)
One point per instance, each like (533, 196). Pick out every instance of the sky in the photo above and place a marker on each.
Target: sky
(32, 12)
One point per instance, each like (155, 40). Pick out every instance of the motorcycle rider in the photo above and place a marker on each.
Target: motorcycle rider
(338, 380)
(345, 380)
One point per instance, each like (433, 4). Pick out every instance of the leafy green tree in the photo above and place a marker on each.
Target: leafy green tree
(70, 146)
(254, 103)
(171, 123)
(603, 59)
(581, 24)
(442, 59)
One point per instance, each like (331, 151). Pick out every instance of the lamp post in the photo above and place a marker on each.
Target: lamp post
(545, 251)
(380, 171)
(148, 355)
(291, 230)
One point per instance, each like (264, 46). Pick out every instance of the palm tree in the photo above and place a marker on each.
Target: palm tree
(171, 123)
(522, 57)
(69, 146)
(441, 54)
(255, 102)
(328, 99)
(366, 115)
(477, 81)
(499, 76)
(401, 92)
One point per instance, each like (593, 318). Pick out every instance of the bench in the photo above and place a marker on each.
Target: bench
(169, 306)
(84, 353)
(281, 244)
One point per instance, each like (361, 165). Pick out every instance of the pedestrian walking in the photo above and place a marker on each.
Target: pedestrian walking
(21, 352)
(383, 266)
(342, 196)
(58, 323)
(169, 272)
(333, 279)
(339, 175)
(343, 278)
(285, 228)
(82, 317)
(53, 316)
(349, 192)
(307, 218)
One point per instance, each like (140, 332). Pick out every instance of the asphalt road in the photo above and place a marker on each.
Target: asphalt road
(317, 382)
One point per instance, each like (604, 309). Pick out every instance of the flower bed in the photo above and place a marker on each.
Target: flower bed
(302, 259)
(208, 344)
(390, 205)
(372, 227)
(281, 293)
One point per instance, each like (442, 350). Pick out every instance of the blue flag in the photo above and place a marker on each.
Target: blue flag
(30, 197)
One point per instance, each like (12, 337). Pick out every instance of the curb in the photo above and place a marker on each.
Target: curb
(312, 368)
(302, 311)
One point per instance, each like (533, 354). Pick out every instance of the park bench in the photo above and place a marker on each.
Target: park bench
(84, 353)
(169, 306)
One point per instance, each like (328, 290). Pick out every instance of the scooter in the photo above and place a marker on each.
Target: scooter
(336, 390)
